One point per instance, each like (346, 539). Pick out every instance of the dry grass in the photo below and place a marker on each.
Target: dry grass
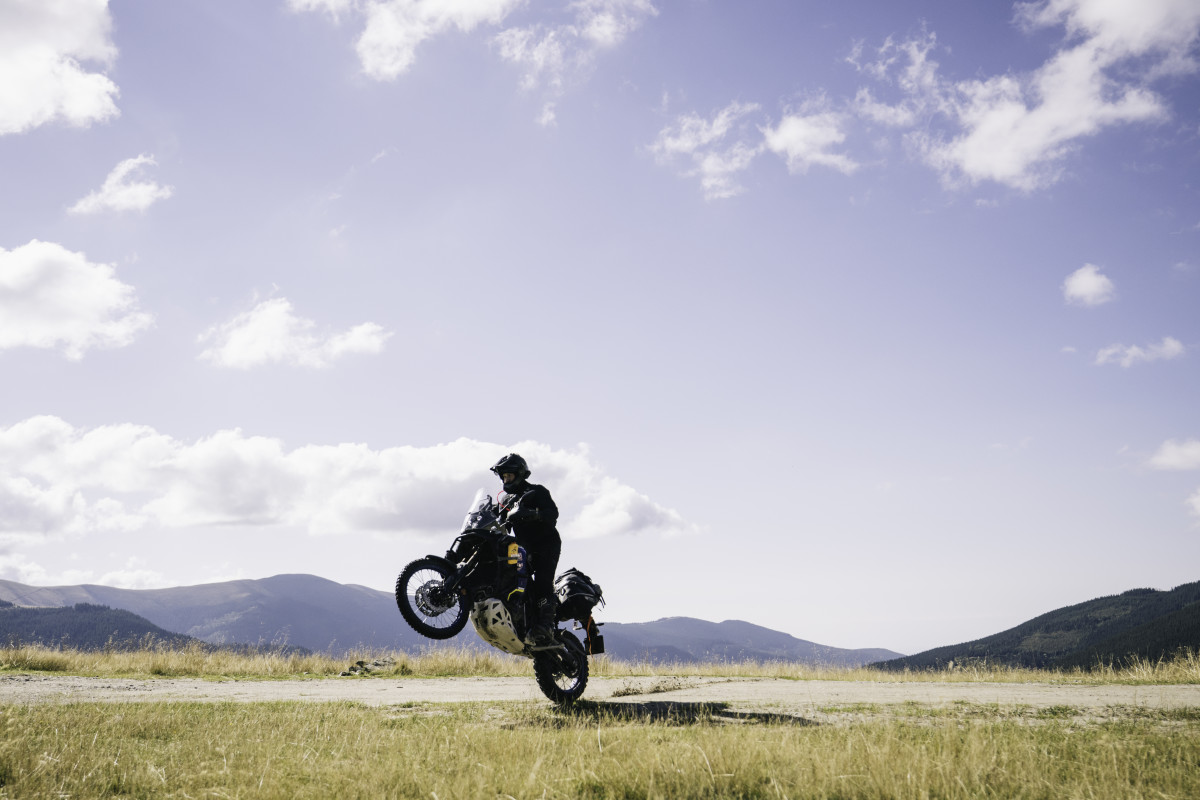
(198, 661)
(1182, 668)
(595, 750)
(206, 662)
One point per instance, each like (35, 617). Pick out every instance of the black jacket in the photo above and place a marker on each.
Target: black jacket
(532, 497)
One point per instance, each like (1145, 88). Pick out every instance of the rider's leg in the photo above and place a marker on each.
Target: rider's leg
(545, 563)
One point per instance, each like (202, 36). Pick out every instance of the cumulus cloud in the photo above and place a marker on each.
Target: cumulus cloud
(43, 49)
(1177, 455)
(271, 333)
(1017, 129)
(123, 191)
(807, 139)
(71, 480)
(394, 29)
(51, 297)
(1127, 356)
(717, 149)
(1087, 286)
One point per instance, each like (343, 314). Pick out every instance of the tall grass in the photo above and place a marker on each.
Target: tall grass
(198, 660)
(1182, 667)
(201, 661)
(302, 750)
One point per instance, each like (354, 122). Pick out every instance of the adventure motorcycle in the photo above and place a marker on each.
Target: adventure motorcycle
(484, 578)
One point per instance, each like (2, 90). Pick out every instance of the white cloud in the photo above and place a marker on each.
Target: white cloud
(1193, 502)
(543, 54)
(1167, 349)
(51, 297)
(607, 23)
(1016, 129)
(271, 333)
(395, 28)
(1177, 455)
(16, 567)
(84, 481)
(122, 191)
(549, 53)
(703, 143)
(334, 8)
(900, 115)
(42, 45)
(134, 576)
(805, 139)
(917, 79)
(1182, 455)
(1087, 286)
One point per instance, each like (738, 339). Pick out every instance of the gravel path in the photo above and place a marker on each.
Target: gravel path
(750, 695)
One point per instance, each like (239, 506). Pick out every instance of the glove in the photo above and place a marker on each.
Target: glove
(523, 515)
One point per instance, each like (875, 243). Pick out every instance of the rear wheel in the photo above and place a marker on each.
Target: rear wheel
(562, 674)
(425, 604)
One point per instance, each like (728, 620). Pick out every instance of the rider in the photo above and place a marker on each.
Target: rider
(532, 513)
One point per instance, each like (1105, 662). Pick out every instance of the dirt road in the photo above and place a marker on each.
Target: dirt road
(748, 695)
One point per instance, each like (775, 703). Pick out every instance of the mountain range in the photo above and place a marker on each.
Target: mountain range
(321, 615)
(1141, 623)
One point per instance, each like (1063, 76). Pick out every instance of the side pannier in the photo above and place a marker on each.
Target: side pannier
(577, 596)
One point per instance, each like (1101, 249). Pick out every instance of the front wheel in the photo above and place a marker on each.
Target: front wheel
(425, 604)
(562, 674)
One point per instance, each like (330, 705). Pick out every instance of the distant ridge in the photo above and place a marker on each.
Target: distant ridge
(300, 610)
(687, 640)
(323, 616)
(82, 627)
(1143, 623)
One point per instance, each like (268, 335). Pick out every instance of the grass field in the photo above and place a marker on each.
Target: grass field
(201, 662)
(651, 749)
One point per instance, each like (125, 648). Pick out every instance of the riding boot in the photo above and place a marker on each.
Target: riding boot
(541, 633)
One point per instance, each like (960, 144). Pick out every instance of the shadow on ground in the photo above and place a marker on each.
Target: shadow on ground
(669, 713)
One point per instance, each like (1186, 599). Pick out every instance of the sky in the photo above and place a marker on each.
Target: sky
(873, 323)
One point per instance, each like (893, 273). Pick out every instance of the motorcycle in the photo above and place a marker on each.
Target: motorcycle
(484, 577)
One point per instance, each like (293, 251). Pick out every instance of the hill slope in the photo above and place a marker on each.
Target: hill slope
(687, 640)
(82, 627)
(323, 616)
(1143, 622)
(301, 610)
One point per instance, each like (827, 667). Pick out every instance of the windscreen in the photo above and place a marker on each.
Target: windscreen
(482, 514)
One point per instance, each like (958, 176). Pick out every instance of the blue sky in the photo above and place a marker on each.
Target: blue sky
(875, 323)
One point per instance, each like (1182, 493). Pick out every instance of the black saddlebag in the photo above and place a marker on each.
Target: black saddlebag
(577, 596)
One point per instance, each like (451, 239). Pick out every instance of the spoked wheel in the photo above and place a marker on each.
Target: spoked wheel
(425, 604)
(562, 674)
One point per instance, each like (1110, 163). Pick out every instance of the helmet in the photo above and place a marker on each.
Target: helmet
(516, 465)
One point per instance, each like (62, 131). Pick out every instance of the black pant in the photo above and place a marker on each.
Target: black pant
(543, 559)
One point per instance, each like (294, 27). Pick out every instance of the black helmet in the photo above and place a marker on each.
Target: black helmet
(516, 465)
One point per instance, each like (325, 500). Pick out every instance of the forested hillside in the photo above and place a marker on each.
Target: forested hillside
(1144, 623)
(83, 626)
